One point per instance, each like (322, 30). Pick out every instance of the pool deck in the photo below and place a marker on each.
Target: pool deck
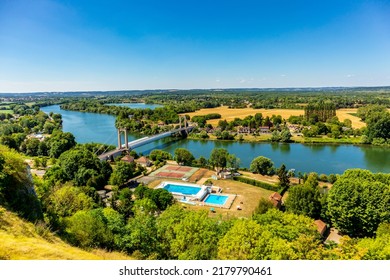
(198, 199)
(226, 205)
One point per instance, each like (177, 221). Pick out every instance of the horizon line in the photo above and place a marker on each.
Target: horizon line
(189, 89)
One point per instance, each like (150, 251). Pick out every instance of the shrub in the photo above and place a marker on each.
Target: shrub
(256, 183)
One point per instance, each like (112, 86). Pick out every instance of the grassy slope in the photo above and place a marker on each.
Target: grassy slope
(20, 240)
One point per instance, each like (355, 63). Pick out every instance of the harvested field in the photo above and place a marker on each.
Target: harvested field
(346, 114)
(230, 114)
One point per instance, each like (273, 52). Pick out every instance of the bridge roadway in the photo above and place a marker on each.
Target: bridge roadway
(142, 141)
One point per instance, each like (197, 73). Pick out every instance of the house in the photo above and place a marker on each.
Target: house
(128, 159)
(243, 129)
(294, 128)
(334, 236)
(144, 161)
(224, 174)
(321, 226)
(276, 199)
(264, 129)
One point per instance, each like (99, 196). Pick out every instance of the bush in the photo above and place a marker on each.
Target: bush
(332, 178)
(256, 183)
(323, 178)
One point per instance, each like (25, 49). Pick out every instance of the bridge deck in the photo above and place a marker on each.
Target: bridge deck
(142, 141)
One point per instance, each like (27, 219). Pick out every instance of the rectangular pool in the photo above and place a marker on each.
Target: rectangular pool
(216, 199)
(185, 190)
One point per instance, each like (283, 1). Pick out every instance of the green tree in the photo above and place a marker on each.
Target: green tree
(379, 128)
(115, 223)
(248, 239)
(359, 201)
(141, 235)
(233, 162)
(241, 242)
(218, 157)
(67, 200)
(159, 155)
(122, 173)
(285, 135)
(124, 203)
(162, 198)
(263, 206)
(166, 224)
(16, 186)
(60, 142)
(305, 199)
(84, 167)
(183, 156)
(196, 237)
(262, 165)
(88, 229)
(284, 181)
(145, 206)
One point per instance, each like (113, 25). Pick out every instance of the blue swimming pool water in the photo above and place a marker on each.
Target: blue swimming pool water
(216, 199)
(188, 190)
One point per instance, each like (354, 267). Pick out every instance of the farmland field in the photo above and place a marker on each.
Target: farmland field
(229, 114)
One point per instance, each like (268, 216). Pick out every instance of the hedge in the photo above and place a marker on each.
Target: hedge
(256, 183)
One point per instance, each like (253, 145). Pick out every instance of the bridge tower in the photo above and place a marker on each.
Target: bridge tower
(183, 124)
(120, 130)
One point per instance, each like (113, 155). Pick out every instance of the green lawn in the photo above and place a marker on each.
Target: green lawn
(7, 111)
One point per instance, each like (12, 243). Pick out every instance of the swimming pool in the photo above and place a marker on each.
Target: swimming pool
(181, 189)
(216, 199)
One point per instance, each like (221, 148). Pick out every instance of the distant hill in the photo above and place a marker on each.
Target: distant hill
(193, 91)
(21, 240)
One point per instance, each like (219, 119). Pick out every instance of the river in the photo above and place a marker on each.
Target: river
(320, 158)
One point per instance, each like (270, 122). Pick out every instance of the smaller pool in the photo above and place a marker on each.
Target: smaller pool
(188, 190)
(216, 199)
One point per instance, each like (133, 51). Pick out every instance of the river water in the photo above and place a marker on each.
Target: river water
(320, 158)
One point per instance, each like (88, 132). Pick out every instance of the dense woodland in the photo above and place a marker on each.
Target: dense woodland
(148, 224)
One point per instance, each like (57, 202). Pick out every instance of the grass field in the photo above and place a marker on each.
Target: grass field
(21, 240)
(8, 111)
(247, 194)
(230, 114)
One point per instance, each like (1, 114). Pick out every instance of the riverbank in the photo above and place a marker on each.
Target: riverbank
(335, 157)
(265, 138)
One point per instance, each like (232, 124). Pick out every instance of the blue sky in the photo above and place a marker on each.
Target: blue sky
(71, 45)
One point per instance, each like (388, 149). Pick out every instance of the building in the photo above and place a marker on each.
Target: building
(321, 226)
(264, 129)
(144, 161)
(128, 159)
(276, 199)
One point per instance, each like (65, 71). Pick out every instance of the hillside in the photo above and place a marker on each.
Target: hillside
(21, 240)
